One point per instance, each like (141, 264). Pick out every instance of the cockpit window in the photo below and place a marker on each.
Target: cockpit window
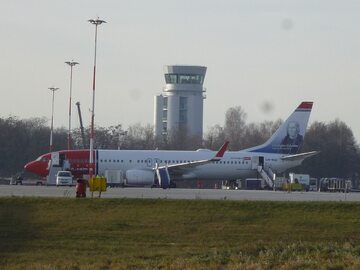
(42, 159)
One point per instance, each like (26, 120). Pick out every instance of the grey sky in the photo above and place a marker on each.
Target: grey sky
(257, 52)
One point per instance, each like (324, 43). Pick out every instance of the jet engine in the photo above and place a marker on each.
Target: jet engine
(140, 177)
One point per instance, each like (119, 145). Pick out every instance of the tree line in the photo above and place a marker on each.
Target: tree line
(22, 140)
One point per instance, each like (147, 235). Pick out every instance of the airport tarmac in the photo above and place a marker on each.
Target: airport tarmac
(189, 194)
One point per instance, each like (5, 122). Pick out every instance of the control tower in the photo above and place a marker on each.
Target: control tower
(180, 106)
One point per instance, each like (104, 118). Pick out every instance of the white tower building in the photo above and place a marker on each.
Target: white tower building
(181, 103)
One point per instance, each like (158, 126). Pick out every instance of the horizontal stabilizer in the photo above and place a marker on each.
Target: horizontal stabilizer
(300, 156)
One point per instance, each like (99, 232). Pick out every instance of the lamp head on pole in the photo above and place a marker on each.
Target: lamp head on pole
(97, 21)
(71, 63)
(53, 88)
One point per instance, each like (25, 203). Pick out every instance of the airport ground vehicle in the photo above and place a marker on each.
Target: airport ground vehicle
(19, 180)
(231, 184)
(64, 178)
(293, 187)
(313, 184)
(302, 179)
(335, 185)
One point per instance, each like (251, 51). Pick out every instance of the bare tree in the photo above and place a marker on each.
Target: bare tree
(214, 138)
(339, 155)
(234, 127)
(139, 137)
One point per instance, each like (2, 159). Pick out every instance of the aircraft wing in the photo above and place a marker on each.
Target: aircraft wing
(300, 156)
(192, 164)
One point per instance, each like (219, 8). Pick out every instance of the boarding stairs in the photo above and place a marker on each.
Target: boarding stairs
(163, 177)
(267, 174)
(51, 178)
(54, 167)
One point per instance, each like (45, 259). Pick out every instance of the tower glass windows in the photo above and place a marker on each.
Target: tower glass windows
(171, 78)
(184, 78)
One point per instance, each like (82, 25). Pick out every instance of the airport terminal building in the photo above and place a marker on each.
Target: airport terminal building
(180, 105)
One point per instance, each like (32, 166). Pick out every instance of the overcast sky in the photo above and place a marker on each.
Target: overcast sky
(258, 53)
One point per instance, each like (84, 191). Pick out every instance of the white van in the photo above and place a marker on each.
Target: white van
(64, 178)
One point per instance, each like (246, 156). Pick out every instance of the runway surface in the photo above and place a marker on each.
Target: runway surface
(213, 194)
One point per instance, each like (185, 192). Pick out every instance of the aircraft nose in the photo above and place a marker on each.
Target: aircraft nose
(29, 166)
(33, 167)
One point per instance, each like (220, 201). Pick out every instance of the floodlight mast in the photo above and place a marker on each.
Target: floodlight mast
(71, 64)
(96, 22)
(53, 89)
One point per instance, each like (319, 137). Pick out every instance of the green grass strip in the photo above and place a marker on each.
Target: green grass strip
(44, 233)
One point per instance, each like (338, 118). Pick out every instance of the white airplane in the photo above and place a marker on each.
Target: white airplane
(148, 167)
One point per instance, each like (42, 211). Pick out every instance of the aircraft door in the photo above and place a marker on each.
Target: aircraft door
(55, 159)
(257, 161)
(261, 162)
(62, 161)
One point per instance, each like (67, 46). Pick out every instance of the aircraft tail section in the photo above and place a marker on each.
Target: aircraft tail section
(289, 137)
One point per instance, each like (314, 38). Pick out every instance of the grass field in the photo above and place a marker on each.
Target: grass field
(41, 233)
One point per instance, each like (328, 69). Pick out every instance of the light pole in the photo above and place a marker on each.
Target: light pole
(71, 64)
(91, 160)
(53, 89)
(122, 134)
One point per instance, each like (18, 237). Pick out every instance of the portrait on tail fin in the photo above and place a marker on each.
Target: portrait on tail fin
(293, 140)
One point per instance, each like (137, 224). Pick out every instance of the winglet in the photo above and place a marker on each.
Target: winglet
(306, 105)
(221, 152)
